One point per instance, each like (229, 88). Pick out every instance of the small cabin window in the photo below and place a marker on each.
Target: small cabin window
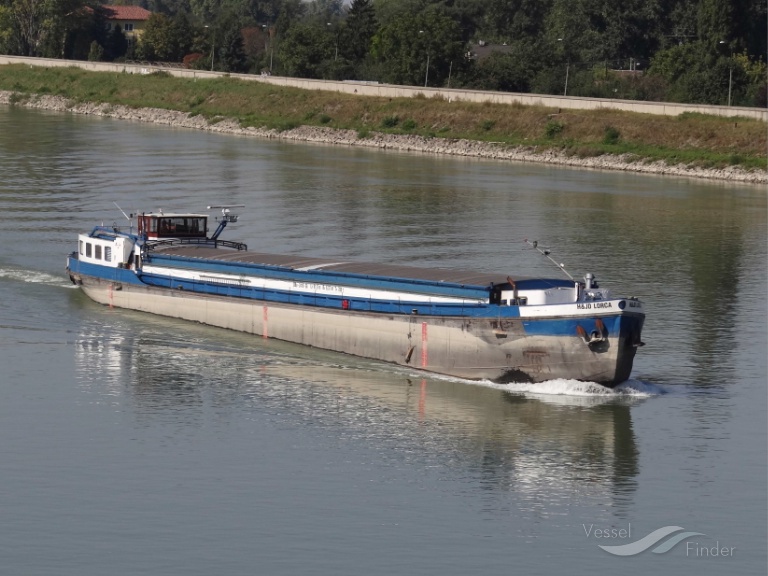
(108, 253)
(97, 252)
(82, 248)
(88, 250)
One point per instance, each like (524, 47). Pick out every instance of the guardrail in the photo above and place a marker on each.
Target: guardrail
(394, 91)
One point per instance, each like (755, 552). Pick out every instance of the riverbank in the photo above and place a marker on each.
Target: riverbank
(399, 142)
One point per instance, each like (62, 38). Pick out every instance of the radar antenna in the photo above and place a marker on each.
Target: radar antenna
(546, 252)
(226, 217)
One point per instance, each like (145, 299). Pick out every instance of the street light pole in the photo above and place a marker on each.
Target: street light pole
(567, 69)
(336, 53)
(268, 44)
(213, 47)
(730, 81)
(730, 75)
(426, 74)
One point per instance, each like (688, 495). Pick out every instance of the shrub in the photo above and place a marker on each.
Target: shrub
(487, 125)
(611, 135)
(554, 128)
(390, 121)
(324, 119)
(409, 124)
(190, 60)
(196, 100)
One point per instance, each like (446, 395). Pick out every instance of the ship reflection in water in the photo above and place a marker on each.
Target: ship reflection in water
(545, 447)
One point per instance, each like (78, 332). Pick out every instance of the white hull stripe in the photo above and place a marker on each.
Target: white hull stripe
(309, 288)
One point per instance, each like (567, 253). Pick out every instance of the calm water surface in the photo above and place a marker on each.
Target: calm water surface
(134, 444)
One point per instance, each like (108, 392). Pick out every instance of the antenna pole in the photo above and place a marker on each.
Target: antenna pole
(121, 210)
(130, 222)
(545, 252)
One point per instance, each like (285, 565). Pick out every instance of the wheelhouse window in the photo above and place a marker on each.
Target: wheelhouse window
(82, 248)
(97, 252)
(181, 227)
(108, 253)
(173, 226)
(88, 249)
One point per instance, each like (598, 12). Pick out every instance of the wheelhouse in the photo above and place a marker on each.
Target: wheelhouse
(160, 226)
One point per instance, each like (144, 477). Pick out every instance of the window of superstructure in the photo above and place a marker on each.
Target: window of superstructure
(97, 252)
(108, 253)
(88, 250)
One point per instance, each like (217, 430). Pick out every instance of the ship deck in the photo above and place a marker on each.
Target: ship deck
(303, 263)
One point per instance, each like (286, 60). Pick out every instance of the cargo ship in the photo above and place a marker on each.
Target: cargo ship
(470, 325)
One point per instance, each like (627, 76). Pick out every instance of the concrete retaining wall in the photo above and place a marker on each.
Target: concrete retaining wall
(393, 91)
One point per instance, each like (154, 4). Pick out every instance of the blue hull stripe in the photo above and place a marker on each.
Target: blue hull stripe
(565, 326)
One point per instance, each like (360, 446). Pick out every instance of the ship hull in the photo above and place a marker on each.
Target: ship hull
(496, 349)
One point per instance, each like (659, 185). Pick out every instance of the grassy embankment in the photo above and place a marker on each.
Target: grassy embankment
(693, 139)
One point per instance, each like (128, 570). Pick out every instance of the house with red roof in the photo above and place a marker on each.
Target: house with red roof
(130, 19)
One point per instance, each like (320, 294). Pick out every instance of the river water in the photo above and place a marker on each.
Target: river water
(134, 444)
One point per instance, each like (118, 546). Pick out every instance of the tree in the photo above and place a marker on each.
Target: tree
(325, 10)
(418, 49)
(359, 29)
(510, 71)
(501, 21)
(117, 44)
(96, 53)
(38, 27)
(165, 39)
(231, 55)
(304, 49)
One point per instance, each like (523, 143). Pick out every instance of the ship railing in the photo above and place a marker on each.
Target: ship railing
(152, 244)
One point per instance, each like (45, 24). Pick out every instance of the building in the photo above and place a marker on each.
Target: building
(130, 19)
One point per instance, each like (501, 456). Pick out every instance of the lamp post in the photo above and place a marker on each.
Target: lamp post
(426, 74)
(730, 74)
(213, 47)
(567, 69)
(268, 43)
(336, 53)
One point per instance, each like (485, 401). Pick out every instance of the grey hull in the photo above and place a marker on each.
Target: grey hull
(471, 348)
